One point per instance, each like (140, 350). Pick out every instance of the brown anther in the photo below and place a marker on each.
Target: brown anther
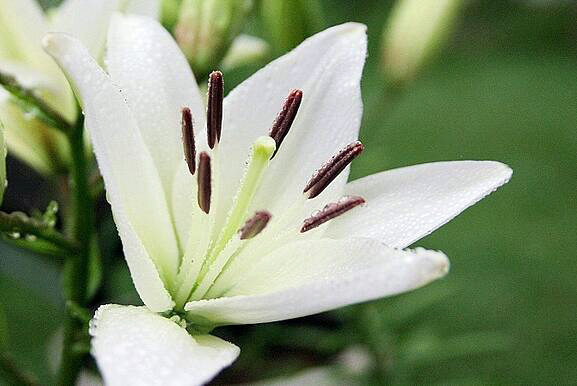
(188, 140)
(204, 182)
(254, 225)
(331, 211)
(331, 169)
(214, 109)
(286, 117)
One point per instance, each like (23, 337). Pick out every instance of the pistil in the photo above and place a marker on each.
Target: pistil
(262, 151)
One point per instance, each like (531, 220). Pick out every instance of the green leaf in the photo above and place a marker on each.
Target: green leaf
(32, 320)
(2, 162)
(412, 307)
(425, 347)
(3, 329)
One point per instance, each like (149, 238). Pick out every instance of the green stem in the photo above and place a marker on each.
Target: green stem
(16, 376)
(377, 340)
(19, 223)
(31, 102)
(76, 269)
(83, 214)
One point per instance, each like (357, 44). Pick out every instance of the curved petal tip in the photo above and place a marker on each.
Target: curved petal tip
(134, 346)
(352, 27)
(435, 263)
(53, 42)
(504, 171)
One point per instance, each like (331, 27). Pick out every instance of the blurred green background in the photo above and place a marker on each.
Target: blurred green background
(505, 88)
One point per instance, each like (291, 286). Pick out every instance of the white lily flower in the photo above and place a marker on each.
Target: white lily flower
(199, 255)
(23, 24)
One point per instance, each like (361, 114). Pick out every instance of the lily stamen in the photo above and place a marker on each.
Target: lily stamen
(286, 117)
(331, 211)
(188, 140)
(204, 182)
(214, 109)
(331, 169)
(254, 225)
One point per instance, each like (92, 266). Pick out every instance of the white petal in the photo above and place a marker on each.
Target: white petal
(133, 187)
(86, 20)
(134, 346)
(308, 277)
(406, 204)
(184, 203)
(150, 8)
(191, 223)
(327, 68)
(6, 49)
(23, 25)
(146, 63)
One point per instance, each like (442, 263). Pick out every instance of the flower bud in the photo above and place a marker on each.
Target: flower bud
(27, 131)
(290, 22)
(169, 12)
(245, 50)
(415, 32)
(206, 28)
